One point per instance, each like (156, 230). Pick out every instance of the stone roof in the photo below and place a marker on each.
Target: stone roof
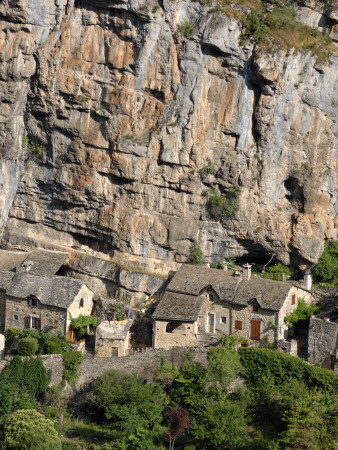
(114, 329)
(182, 302)
(5, 278)
(10, 260)
(52, 291)
(39, 262)
(176, 306)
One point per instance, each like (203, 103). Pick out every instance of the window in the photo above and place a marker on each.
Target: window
(223, 320)
(16, 317)
(211, 297)
(254, 308)
(81, 303)
(293, 299)
(34, 302)
(238, 325)
(34, 322)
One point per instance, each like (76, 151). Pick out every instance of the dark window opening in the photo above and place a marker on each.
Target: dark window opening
(16, 317)
(238, 325)
(34, 322)
(223, 320)
(81, 303)
(254, 308)
(34, 302)
(172, 325)
(211, 297)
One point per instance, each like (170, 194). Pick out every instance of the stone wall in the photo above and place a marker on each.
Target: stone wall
(322, 342)
(50, 316)
(141, 362)
(2, 310)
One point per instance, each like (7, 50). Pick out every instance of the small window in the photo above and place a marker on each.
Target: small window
(34, 302)
(211, 297)
(238, 325)
(16, 317)
(81, 303)
(34, 322)
(254, 308)
(223, 320)
(293, 299)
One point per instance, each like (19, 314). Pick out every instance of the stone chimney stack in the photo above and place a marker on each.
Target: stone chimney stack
(308, 281)
(247, 272)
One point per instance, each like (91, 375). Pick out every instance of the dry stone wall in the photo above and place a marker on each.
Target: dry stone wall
(323, 340)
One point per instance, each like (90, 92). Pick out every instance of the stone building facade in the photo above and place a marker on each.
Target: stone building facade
(44, 302)
(200, 305)
(113, 338)
(323, 339)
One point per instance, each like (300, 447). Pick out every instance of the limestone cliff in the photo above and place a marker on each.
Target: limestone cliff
(137, 119)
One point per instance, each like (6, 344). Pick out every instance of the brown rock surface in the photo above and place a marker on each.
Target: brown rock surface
(130, 111)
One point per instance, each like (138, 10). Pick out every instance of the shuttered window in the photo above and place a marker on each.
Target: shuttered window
(293, 299)
(238, 325)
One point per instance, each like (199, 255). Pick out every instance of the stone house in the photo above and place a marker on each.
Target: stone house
(202, 304)
(323, 339)
(113, 338)
(29, 301)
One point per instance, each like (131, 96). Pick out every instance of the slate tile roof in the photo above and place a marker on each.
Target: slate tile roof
(52, 291)
(5, 278)
(41, 262)
(176, 306)
(182, 302)
(114, 329)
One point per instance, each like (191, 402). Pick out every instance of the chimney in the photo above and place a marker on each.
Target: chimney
(247, 271)
(308, 281)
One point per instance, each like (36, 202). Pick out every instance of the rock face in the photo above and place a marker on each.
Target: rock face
(138, 121)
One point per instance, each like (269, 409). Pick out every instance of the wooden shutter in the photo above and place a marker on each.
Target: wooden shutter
(238, 325)
(255, 330)
(293, 299)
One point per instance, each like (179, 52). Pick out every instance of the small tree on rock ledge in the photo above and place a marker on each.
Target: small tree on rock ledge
(196, 255)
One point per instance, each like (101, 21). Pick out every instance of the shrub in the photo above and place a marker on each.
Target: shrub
(117, 312)
(186, 28)
(71, 362)
(41, 336)
(52, 347)
(303, 312)
(196, 257)
(224, 205)
(275, 272)
(326, 270)
(27, 429)
(80, 324)
(217, 265)
(262, 365)
(28, 346)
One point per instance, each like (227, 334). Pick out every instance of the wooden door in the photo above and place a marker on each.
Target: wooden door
(255, 330)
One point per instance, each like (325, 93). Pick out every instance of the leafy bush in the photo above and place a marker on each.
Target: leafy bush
(326, 271)
(275, 272)
(41, 336)
(32, 146)
(52, 348)
(71, 362)
(217, 265)
(133, 407)
(27, 429)
(196, 257)
(80, 324)
(28, 346)
(262, 365)
(186, 28)
(117, 312)
(225, 205)
(21, 383)
(302, 312)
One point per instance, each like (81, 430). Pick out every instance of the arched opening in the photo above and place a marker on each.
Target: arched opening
(174, 325)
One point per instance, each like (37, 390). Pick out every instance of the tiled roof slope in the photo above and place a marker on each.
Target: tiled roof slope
(179, 307)
(53, 291)
(190, 281)
(41, 262)
(5, 278)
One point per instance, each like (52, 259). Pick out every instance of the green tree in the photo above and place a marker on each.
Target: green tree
(196, 255)
(27, 429)
(132, 407)
(275, 272)
(326, 270)
(223, 368)
(302, 312)
(220, 425)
